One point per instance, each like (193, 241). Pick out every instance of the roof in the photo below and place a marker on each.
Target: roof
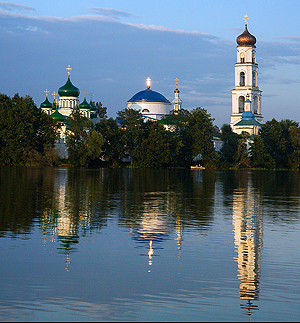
(46, 104)
(84, 105)
(246, 39)
(68, 89)
(58, 116)
(149, 96)
(248, 122)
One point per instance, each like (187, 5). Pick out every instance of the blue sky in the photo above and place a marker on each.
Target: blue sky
(113, 46)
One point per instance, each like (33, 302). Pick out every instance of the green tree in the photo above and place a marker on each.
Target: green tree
(157, 147)
(277, 141)
(83, 142)
(101, 110)
(259, 157)
(201, 130)
(132, 122)
(229, 150)
(113, 149)
(27, 134)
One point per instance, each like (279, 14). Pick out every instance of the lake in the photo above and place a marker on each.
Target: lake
(149, 245)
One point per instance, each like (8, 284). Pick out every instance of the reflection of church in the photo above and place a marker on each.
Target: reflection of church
(248, 231)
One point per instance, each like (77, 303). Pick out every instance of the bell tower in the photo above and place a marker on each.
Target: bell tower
(246, 94)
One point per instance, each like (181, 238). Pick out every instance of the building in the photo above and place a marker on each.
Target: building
(246, 95)
(152, 104)
(61, 109)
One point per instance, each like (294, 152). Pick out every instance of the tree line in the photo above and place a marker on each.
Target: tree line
(28, 136)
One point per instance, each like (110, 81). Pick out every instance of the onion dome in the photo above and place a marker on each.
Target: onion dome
(149, 96)
(68, 89)
(84, 105)
(93, 107)
(58, 116)
(46, 104)
(248, 115)
(246, 39)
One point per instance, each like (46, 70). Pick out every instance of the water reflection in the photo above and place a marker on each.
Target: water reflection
(248, 237)
(157, 213)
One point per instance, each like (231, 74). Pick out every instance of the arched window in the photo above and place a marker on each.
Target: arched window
(254, 78)
(241, 104)
(255, 104)
(242, 79)
(145, 111)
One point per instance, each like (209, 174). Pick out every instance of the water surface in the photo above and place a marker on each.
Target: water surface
(131, 244)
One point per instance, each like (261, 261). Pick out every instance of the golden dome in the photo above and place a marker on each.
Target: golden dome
(246, 39)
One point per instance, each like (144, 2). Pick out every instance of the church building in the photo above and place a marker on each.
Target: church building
(246, 96)
(153, 105)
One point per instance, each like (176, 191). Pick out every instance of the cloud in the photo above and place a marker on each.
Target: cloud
(10, 6)
(110, 12)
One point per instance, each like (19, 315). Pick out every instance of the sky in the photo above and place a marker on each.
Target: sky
(113, 46)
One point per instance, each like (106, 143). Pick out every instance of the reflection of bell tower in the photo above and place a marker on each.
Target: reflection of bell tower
(248, 229)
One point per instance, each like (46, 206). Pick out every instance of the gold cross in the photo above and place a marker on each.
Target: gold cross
(176, 82)
(91, 96)
(54, 95)
(47, 92)
(69, 69)
(246, 19)
(148, 82)
(85, 93)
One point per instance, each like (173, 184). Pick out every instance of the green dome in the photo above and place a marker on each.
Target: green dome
(46, 104)
(93, 107)
(84, 105)
(68, 89)
(58, 116)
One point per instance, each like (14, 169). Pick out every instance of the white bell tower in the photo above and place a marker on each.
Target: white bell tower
(246, 79)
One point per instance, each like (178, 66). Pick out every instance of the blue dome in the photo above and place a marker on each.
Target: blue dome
(248, 115)
(149, 96)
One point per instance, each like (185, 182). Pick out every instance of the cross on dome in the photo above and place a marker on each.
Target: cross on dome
(46, 92)
(246, 19)
(91, 96)
(54, 95)
(85, 93)
(148, 81)
(69, 69)
(176, 80)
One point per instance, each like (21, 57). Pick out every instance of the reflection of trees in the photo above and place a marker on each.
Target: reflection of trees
(25, 193)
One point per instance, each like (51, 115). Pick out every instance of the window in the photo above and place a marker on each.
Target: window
(255, 104)
(254, 79)
(242, 57)
(242, 79)
(241, 104)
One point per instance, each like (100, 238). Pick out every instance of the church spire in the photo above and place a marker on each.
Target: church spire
(177, 101)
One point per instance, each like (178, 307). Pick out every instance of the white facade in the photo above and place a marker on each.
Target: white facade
(153, 110)
(67, 104)
(246, 80)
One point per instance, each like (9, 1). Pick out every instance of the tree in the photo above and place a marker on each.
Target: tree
(113, 149)
(132, 122)
(157, 147)
(27, 134)
(83, 142)
(201, 130)
(229, 150)
(277, 140)
(101, 110)
(259, 157)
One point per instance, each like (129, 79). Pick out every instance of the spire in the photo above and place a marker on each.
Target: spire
(177, 101)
